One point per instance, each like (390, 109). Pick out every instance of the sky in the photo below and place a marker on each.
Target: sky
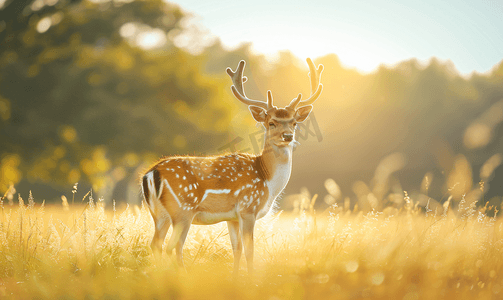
(364, 34)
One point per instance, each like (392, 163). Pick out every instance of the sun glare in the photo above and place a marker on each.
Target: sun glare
(144, 36)
(352, 52)
(363, 53)
(44, 25)
(151, 39)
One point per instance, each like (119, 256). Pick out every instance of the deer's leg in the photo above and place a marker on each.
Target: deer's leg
(162, 225)
(237, 244)
(247, 224)
(181, 228)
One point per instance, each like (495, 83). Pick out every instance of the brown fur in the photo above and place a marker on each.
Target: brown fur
(196, 175)
(282, 113)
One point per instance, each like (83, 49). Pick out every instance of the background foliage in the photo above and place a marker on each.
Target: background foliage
(95, 91)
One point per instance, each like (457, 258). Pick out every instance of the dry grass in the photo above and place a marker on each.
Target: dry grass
(89, 252)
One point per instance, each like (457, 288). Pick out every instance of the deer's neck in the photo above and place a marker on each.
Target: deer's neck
(277, 166)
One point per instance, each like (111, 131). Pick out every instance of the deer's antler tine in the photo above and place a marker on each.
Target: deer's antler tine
(314, 75)
(316, 86)
(237, 86)
(294, 102)
(269, 99)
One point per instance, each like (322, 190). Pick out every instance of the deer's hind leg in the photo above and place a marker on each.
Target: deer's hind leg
(152, 188)
(162, 224)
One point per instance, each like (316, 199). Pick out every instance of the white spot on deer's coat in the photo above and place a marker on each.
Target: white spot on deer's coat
(172, 193)
(209, 191)
(151, 189)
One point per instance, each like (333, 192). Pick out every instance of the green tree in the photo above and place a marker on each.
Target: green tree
(85, 96)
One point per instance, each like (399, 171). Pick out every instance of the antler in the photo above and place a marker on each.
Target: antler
(316, 86)
(238, 91)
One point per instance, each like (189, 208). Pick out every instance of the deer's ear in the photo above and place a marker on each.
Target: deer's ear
(302, 113)
(258, 113)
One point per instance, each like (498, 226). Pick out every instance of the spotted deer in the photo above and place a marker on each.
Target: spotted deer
(238, 188)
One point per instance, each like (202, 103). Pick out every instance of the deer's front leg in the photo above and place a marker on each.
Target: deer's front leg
(247, 224)
(237, 244)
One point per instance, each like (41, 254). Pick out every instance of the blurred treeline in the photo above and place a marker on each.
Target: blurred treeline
(95, 91)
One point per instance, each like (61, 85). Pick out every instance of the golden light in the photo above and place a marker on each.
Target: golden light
(480, 132)
(128, 30)
(477, 135)
(144, 36)
(459, 181)
(152, 39)
(44, 24)
(490, 165)
(9, 172)
(352, 51)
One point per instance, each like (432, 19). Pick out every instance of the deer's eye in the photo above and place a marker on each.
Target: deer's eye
(272, 125)
(295, 124)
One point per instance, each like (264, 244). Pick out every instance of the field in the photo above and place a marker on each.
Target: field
(77, 252)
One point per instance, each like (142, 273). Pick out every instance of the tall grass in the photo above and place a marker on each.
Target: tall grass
(411, 253)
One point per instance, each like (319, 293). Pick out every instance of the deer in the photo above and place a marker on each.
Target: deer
(238, 188)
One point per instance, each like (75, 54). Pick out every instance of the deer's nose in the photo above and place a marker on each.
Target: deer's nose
(287, 137)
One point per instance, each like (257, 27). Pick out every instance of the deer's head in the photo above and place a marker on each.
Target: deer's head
(280, 123)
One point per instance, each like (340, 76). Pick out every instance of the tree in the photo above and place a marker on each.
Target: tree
(92, 90)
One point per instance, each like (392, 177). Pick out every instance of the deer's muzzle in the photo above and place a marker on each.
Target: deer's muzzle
(287, 137)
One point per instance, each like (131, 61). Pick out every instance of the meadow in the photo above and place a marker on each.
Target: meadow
(87, 251)
(95, 91)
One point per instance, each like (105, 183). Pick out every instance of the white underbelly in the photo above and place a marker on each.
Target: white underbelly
(208, 218)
